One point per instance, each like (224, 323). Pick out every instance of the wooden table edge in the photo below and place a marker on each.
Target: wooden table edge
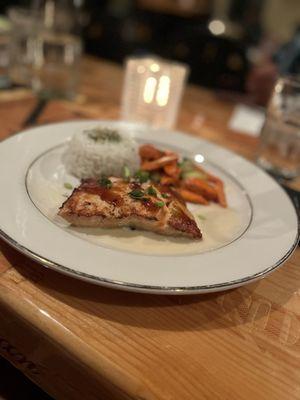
(35, 318)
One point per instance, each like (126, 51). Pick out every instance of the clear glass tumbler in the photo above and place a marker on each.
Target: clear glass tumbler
(279, 151)
(152, 91)
(23, 23)
(57, 49)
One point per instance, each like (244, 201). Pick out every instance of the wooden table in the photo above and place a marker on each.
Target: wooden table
(80, 341)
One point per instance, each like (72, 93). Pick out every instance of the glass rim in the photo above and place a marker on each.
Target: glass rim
(154, 58)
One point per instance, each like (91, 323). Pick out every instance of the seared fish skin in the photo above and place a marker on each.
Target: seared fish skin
(142, 206)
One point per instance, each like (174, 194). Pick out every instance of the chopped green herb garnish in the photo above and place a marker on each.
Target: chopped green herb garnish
(159, 204)
(202, 217)
(151, 191)
(126, 173)
(155, 177)
(165, 195)
(105, 182)
(136, 194)
(186, 165)
(142, 176)
(193, 174)
(103, 135)
(68, 185)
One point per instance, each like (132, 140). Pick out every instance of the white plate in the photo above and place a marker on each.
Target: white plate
(250, 239)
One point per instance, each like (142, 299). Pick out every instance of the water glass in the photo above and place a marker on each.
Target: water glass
(56, 65)
(152, 91)
(45, 49)
(279, 151)
(21, 44)
(57, 49)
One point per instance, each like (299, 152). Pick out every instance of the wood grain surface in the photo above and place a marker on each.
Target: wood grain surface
(80, 341)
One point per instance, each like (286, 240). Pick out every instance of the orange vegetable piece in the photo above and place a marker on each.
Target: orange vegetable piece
(214, 179)
(221, 195)
(172, 169)
(149, 152)
(192, 197)
(168, 180)
(199, 186)
(159, 163)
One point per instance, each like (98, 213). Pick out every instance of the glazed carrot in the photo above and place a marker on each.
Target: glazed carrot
(159, 163)
(191, 197)
(208, 175)
(199, 186)
(168, 180)
(200, 169)
(172, 169)
(218, 185)
(192, 186)
(215, 179)
(149, 152)
(170, 153)
(221, 195)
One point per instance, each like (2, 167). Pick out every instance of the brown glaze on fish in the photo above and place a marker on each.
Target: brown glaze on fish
(93, 205)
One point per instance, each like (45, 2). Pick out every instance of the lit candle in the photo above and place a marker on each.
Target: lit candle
(152, 91)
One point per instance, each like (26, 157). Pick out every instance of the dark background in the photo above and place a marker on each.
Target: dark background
(182, 30)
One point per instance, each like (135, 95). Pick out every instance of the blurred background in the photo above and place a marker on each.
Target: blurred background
(236, 46)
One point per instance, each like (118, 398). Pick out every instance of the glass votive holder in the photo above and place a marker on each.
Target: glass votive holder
(152, 91)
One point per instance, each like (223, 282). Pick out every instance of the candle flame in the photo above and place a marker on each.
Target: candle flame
(149, 90)
(162, 95)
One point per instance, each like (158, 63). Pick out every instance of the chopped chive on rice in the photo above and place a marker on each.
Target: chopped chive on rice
(202, 217)
(103, 135)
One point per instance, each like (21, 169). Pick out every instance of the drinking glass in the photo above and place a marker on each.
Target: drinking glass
(57, 49)
(23, 23)
(152, 91)
(279, 151)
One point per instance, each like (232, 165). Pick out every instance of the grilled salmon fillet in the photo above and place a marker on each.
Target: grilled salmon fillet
(116, 203)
